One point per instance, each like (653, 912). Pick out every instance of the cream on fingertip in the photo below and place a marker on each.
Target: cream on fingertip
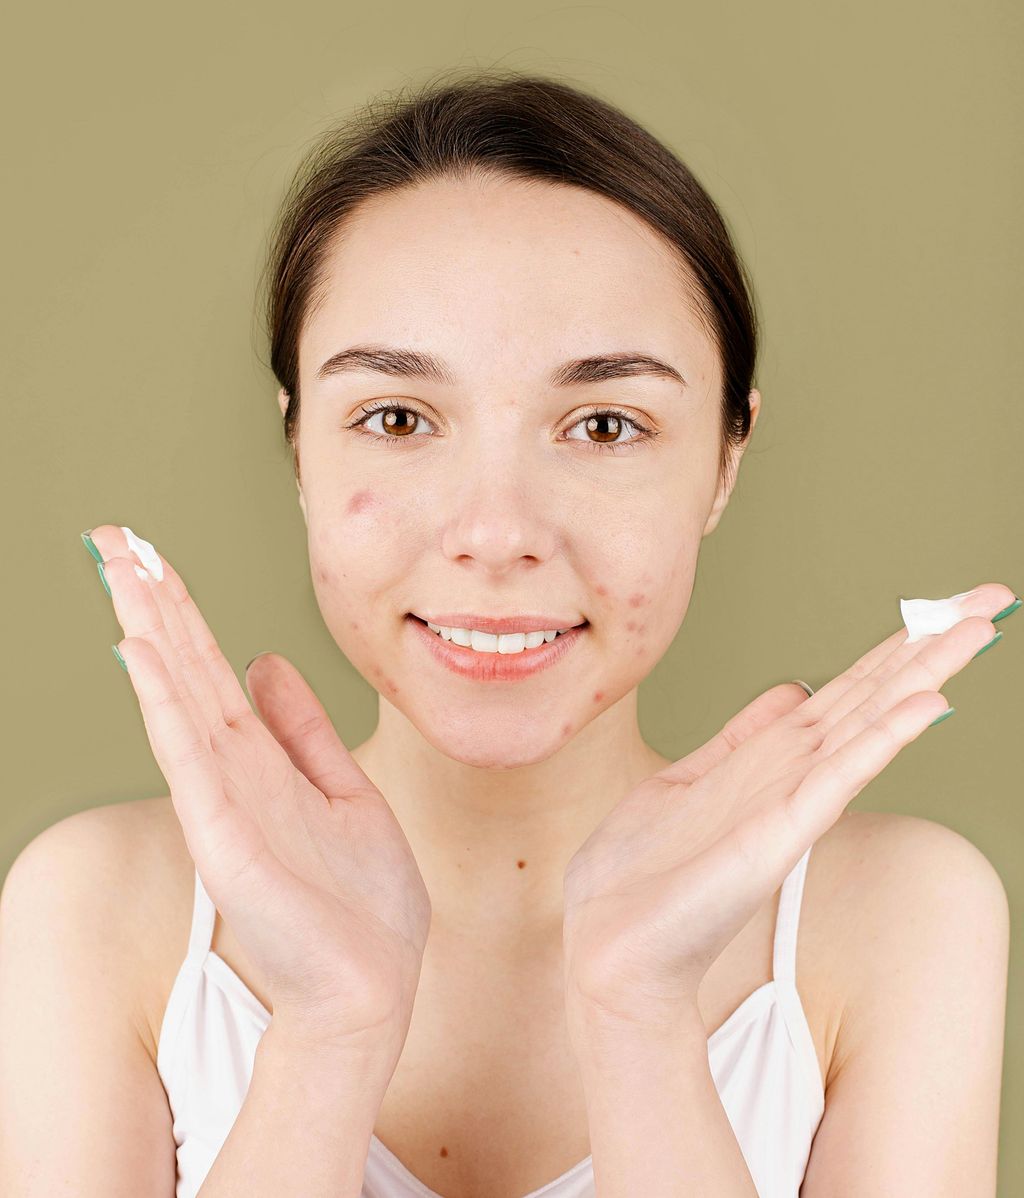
(146, 554)
(926, 617)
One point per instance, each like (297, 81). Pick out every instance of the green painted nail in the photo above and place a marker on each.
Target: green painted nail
(120, 659)
(998, 637)
(1007, 611)
(90, 544)
(103, 578)
(945, 716)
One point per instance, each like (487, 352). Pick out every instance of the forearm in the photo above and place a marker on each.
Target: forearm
(657, 1125)
(305, 1125)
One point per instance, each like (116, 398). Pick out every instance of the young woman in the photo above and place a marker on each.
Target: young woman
(503, 947)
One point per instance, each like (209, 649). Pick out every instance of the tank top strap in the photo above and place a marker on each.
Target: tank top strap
(203, 915)
(787, 923)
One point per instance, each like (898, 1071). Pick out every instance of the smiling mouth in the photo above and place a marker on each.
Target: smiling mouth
(526, 651)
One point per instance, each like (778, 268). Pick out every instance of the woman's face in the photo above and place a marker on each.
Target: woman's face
(490, 490)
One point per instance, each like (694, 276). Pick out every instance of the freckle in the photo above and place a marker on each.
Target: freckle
(359, 502)
(521, 864)
(354, 624)
(598, 696)
(637, 599)
(444, 1151)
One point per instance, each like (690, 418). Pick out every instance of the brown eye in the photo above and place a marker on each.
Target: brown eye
(398, 420)
(597, 424)
(604, 427)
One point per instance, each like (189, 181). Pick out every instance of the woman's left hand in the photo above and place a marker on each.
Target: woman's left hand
(686, 859)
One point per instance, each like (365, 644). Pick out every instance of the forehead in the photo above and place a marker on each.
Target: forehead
(526, 272)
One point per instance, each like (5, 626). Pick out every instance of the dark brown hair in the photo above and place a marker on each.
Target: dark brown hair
(511, 125)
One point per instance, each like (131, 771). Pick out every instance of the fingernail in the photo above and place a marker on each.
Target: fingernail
(120, 659)
(90, 544)
(252, 659)
(806, 687)
(103, 578)
(1007, 611)
(998, 637)
(945, 716)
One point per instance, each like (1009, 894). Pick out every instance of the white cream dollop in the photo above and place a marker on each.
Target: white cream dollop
(146, 554)
(925, 617)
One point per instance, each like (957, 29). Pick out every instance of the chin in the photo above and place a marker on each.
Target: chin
(486, 747)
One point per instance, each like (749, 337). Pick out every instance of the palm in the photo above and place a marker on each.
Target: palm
(297, 848)
(684, 861)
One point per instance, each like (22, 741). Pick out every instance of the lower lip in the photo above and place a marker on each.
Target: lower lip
(495, 667)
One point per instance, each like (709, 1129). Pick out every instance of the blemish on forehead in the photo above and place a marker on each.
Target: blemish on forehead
(359, 502)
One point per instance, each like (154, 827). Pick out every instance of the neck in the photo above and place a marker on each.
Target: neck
(492, 844)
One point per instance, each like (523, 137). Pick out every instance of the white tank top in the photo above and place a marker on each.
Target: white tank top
(762, 1060)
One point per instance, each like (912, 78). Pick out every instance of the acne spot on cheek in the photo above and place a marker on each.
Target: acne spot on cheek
(638, 599)
(601, 590)
(566, 729)
(359, 502)
(598, 696)
(386, 684)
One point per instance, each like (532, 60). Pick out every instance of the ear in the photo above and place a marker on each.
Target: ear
(282, 403)
(725, 489)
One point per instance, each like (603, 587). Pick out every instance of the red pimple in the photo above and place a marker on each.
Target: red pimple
(598, 696)
(637, 600)
(631, 625)
(359, 502)
(601, 590)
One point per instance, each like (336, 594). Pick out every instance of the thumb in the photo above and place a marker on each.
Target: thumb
(297, 720)
(774, 703)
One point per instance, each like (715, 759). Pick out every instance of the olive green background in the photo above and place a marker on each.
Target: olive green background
(868, 162)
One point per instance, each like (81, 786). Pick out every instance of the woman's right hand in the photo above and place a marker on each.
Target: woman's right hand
(296, 847)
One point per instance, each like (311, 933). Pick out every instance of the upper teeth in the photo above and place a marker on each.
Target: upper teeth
(489, 642)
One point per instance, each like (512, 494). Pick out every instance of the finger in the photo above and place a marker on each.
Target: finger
(214, 839)
(297, 720)
(139, 615)
(202, 673)
(765, 709)
(930, 669)
(846, 691)
(829, 787)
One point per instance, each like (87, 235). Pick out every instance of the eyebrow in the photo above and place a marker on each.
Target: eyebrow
(410, 363)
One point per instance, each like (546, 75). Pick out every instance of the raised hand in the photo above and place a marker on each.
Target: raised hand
(681, 864)
(299, 851)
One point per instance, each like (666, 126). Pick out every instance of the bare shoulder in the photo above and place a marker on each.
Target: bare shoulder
(129, 864)
(901, 897)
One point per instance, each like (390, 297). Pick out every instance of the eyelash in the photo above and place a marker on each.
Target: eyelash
(385, 405)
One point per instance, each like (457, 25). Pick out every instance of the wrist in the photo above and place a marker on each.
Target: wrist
(610, 1039)
(339, 1066)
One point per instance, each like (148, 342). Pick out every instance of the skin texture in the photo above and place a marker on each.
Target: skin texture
(494, 498)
